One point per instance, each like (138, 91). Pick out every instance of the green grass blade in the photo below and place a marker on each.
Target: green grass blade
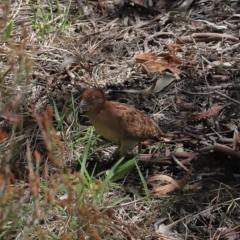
(8, 30)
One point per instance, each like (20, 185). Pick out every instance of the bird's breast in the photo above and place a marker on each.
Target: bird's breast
(106, 130)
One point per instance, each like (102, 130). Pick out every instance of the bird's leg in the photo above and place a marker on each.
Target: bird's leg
(139, 147)
(122, 150)
(125, 146)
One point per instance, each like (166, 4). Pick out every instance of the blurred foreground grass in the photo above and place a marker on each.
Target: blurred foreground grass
(36, 203)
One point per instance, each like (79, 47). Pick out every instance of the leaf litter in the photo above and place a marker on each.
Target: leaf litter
(175, 60)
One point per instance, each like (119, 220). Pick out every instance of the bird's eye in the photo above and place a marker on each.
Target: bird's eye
(93, 98)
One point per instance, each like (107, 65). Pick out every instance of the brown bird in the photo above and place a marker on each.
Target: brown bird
(118, 122)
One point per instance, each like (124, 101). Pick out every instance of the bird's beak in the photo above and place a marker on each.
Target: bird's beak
(83, 105)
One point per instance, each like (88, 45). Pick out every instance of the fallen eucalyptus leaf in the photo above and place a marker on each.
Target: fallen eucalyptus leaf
(166, 79)
(68, 61)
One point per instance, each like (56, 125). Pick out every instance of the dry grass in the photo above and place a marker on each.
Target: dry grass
(49, 186)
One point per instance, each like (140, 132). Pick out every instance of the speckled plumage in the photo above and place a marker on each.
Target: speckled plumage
(118, 122)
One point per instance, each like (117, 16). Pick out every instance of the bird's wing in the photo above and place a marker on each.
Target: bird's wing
(133, 124)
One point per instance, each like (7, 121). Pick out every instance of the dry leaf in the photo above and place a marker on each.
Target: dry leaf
(206, 114)
(236, 140)
(144, 57)
(174, 185)
(157, 86)
(153, 62)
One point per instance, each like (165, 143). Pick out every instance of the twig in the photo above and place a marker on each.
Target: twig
(230, 99)
(190, 135)
(219, 149)
(194, 93)
(179, 163)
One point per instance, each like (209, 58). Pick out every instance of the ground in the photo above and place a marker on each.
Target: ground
(177, 61)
